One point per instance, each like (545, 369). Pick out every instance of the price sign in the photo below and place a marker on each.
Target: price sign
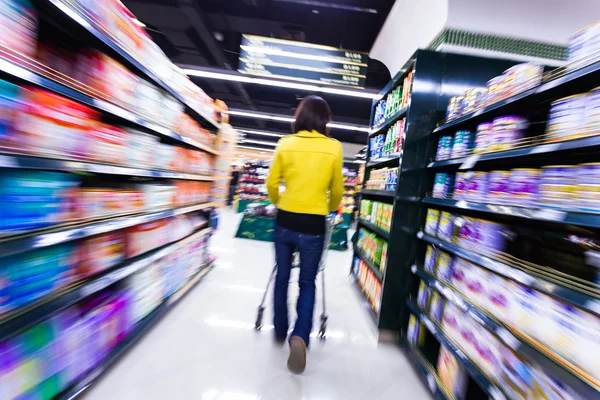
(470, 162)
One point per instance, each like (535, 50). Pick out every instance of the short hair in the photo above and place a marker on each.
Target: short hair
(313, 114)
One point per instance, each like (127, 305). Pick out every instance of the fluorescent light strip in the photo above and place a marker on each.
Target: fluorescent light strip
(258, 142)
(291, 119)
(279, 83)
(255, 148)
(260, 133)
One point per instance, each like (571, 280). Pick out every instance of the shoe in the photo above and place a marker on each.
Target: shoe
(297, 360)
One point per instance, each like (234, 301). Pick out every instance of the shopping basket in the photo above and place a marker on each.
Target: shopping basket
(329, 222)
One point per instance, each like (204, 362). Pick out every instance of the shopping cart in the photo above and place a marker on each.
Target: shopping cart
(329, 222)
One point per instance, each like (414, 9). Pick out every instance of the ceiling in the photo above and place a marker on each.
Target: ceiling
(207, 33)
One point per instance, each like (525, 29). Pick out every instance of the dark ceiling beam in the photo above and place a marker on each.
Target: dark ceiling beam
(197, 23)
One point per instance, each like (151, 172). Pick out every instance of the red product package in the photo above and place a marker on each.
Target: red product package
(101, 253)
(106, 144)
(144, 237)
(53, 124)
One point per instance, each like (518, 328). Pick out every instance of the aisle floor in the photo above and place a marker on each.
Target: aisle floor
(206, 348)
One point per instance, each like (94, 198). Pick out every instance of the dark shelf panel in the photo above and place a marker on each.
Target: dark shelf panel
(17, 161)
(570, 217)
(374, 228)
(389, 122)
(89, 25)
(380, 193)
(38, 312)
(67, 233)
(136, 334)
(569, 295)
(428, 377)
(510, 339)
(372, 267)
(549, 148)
(546, 91)
(16, 71)
(473, 370)
(384, 161)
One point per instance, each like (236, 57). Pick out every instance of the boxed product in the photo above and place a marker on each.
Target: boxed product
(430, 258)
(423, 295)
(431, 223)
(101, 253)
(415, 333)
(452, 374)
(444, 266)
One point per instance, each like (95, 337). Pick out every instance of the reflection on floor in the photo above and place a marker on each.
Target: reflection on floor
(206, 348)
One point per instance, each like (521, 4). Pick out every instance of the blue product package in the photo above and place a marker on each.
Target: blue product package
(9, 104)
(36, 183)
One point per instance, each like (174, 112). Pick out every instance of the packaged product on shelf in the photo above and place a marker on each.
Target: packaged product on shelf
(460, 186)
(52, 124)
(523, 184)
(106, 143)
(407, 88)
(446, 226)
(452, 374)
(18, 26)
(431, 223)
(499, 186)
(414, 334)
(382, 262)
(483, 137)
(522, 77)
(584, 46)
(444, 149)
(380, 111)
(567, 118)
(455, 107)
(34, 199)
(27, 277)
(474, 99)
(423, 295)
(10, 106)
(444, 266)
(442, 185)
(507, 131)
(100, 253)
(436, 306)
(461, 144)
(476, 184)
(429, 263)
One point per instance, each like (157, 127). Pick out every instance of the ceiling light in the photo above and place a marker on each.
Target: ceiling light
(258, 142)
(315, 11)
(140, 23)
(255, 148)
(260, 133)
(280, 83)
(280, 118)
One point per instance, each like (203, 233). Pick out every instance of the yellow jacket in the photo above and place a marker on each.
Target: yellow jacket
(309, 164)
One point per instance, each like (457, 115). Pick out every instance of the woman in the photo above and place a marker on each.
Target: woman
(309, 164)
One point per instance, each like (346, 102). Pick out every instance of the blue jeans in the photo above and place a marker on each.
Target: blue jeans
(311, 249)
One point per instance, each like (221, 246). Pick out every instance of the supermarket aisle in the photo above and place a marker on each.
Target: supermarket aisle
(206, 347)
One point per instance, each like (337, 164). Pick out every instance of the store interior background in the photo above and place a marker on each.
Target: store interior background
(417, 258)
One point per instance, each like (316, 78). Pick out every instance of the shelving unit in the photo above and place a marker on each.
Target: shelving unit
(124, 198)
(251, 186)
(529, 272)
(423, 109)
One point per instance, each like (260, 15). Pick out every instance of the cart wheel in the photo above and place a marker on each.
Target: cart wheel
(323, 327)
(259, 318)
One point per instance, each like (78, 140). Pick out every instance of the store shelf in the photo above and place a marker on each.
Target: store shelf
(136, 334)
(378, 274)
(473, 370)
(590, 143)
(66, 233)
(374, 228)
(565, 216)
(552, 89)
(366, 303)
(426, 372)
(384, 161)
(583, 386)
(89, 25)
(18, 161)
(20, 320)
(399, 114)
(572, 296)
(381, 193)
(26, 75)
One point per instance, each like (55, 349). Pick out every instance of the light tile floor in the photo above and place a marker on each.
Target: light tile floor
(206, 348)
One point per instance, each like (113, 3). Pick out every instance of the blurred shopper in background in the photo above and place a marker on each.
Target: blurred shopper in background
(309, 164)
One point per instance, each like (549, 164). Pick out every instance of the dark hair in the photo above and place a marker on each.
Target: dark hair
(313, 114)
